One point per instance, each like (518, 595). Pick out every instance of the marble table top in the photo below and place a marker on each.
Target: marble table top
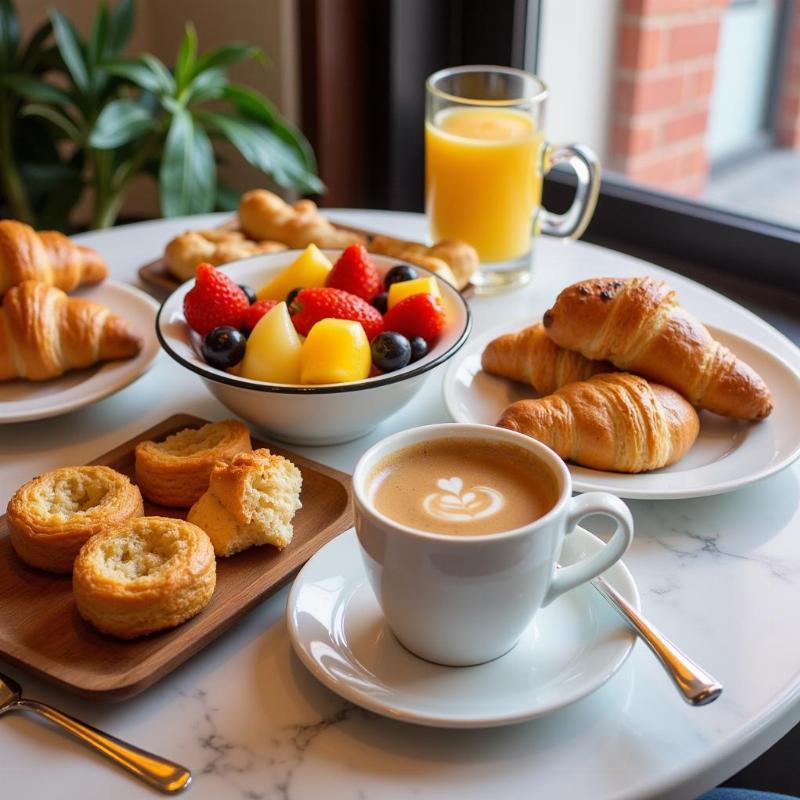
(720, 575)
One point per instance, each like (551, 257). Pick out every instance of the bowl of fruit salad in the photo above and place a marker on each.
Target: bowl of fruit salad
(314, 347)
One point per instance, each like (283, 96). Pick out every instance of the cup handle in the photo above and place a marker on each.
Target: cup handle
(572, 223)
(566, 578)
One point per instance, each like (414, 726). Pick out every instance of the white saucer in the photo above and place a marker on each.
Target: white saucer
(572, 648)
(21, 401)
(726, 456)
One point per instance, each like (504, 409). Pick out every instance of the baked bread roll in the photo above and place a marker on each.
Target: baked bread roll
(51, 516)
(615, 421)
(219, 246)
(45, 256)
(531, 356)
(460, 258)
(144, 575)
(264, 215)
(250, 501)
(638, 325)
(175, 472)
(44, 333)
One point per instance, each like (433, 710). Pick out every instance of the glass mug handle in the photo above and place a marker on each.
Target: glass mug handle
(586, 165)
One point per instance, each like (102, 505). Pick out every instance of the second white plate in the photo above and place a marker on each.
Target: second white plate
(726, 456)
(21, 401)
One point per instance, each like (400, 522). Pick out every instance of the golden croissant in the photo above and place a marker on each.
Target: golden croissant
(44, 333)
(453, 261)
(532, 357)
(45, 256)
(638, 325)
(264, 215)
(613, 421)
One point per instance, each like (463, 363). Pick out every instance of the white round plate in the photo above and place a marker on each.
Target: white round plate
(726, 456)
(570, 649)
(21, 401)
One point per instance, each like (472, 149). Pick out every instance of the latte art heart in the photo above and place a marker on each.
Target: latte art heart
(451, 505)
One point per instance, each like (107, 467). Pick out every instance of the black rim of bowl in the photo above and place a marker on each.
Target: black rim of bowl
(355, 386)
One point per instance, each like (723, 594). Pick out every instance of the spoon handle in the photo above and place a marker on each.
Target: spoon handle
(158, 772)
(695, 685)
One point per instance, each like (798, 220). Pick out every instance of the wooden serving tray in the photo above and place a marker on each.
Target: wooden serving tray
(40, 630)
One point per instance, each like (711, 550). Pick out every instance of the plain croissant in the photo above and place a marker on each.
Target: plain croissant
(613, 421)
(44, 333)
(264, 215)
(532, 357)
(638, 325)
(46, 256)
(458, 258)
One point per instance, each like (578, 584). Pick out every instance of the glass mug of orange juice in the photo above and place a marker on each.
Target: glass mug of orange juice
(485, 156)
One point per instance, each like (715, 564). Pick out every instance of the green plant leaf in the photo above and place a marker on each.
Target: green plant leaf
(250, 103)
(145, 71)
(227, 54)
(58, 118)
(35, 55)
(208, 85)
(70, 48)
(120, 122)
(265, 151)
(188, 174)
(33, 89)
(187, 54)
(123, 18)
(99, 35)
(227, 198)
(9, 34)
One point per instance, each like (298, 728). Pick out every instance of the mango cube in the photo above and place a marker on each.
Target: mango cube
(399, 291)
(335, 351)
(273, 349)
(309, 269)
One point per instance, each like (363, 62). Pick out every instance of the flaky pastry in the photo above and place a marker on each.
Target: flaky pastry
(175, 472)
(51, 516)
(144, 575)
(250, 501)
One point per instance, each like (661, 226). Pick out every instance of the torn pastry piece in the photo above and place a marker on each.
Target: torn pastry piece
(531, 356)
(251, 500)
(459, 257)
(215, 246)
(264, 215)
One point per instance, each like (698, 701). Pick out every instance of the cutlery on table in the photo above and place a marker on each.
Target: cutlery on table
(158, 772)
(696, 686)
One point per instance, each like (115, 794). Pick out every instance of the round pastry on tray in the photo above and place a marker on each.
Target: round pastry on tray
(144, 575)
(51, 516)
(176, 472)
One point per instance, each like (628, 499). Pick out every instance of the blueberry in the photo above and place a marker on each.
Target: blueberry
(390, 351)
(251, 295)
(419, 348)
(291, 296)
(380, 301)
(223, 347)
(400, 273)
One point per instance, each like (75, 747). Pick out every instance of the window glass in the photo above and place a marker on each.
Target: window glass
(700, 98)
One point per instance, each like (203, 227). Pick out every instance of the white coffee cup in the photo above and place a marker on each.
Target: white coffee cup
(463, 600)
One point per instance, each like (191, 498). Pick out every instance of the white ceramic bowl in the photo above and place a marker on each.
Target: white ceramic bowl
(309, 415)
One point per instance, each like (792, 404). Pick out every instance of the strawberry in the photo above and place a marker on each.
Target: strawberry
(355, 273)
(417, 315)
(253, 314)
(213, 301)
(312, 305)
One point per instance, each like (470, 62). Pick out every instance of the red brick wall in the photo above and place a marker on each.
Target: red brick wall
(663, 81)
(788, 123)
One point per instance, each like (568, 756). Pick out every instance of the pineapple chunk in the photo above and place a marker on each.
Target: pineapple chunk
(309, 269)
(335, 351)
(399, 291)
(273, 349)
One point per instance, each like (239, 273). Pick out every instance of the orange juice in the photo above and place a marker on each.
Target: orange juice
(482, 179)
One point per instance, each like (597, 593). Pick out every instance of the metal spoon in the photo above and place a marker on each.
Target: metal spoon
(158, 772)
(696, 686)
